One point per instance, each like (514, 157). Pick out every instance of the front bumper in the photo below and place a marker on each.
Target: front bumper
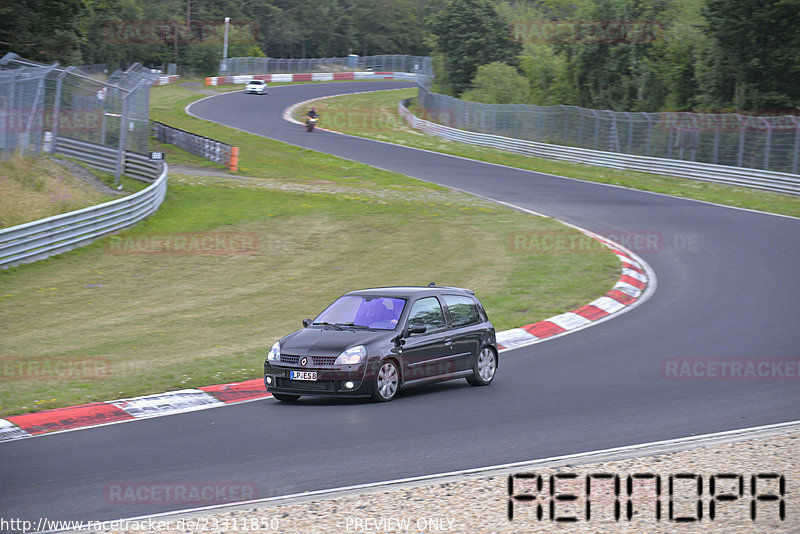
(331, 381)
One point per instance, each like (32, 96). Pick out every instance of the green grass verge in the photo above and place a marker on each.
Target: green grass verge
(126, 322)
(374, 115)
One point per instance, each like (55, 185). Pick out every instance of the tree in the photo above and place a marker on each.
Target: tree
(42, 30)
(467, 34)
(390, 27)
(616, 71)
(498, 83)
(547, 76)
(758, 47)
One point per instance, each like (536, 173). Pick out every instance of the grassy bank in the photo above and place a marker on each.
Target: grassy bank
(37, 187)
(374, 115)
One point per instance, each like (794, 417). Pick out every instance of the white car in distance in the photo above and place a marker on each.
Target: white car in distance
(258, 87)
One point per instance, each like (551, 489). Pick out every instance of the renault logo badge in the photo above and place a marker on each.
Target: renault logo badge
(303, 361)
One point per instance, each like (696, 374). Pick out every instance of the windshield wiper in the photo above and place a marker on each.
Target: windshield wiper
(353, 325)
(336, 326)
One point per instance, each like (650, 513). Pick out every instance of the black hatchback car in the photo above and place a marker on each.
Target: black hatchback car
(374, 342)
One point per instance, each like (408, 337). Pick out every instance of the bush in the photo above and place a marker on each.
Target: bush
(498, 83)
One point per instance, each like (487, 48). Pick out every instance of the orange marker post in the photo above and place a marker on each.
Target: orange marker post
(233, 164)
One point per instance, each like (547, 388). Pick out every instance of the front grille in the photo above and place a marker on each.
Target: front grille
(315, 360)
(322, 385)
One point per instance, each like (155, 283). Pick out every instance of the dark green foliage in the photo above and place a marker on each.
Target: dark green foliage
(100, 31)
(713, 55)
(468, 34)
(758, 50)
(42, 30)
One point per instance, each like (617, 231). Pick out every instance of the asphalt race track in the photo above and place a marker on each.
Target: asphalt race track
(727, 288)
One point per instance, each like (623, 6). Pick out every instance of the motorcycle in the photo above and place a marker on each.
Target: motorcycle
(310, 123)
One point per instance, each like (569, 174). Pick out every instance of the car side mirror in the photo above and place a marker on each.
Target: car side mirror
(306, 323)
(399, 339)
(415, 329)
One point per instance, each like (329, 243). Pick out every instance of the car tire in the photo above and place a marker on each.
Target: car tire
(283, 397)
(387, 382)
(485, 368)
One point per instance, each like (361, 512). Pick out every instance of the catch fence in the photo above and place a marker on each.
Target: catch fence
(768, 142)
(37, 99)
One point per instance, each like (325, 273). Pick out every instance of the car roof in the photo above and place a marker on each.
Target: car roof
(409, 291)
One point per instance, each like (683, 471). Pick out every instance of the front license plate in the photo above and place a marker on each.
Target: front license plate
(303, 375)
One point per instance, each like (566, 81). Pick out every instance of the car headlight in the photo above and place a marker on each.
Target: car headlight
(275, 352)
(352, 356)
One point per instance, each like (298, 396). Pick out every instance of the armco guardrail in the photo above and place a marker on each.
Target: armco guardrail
(47, 237)
(311, 77)
(755, 178)
(107, 159)
(210, 149)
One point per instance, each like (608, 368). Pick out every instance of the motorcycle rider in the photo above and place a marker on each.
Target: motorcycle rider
(311, 119)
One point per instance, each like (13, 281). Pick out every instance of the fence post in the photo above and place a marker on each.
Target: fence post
(123, 130)
(630, 133)
(740, 157)
(716, 141)
(767, 143)
(796, 144)
(57, 105)
(37, 98)
(12, 101)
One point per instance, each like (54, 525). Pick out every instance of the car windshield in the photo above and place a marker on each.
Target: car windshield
(255, 82)
(380, 313)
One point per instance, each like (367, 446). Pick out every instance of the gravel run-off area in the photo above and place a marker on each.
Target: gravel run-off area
(479, 503)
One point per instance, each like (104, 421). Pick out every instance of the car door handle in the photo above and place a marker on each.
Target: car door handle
(448, 341)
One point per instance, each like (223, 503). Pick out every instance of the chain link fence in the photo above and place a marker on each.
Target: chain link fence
(769, 142)
(40, 103)
(262, 65)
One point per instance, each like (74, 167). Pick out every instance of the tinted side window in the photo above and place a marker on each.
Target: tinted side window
(463, 310)
(427, 312)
